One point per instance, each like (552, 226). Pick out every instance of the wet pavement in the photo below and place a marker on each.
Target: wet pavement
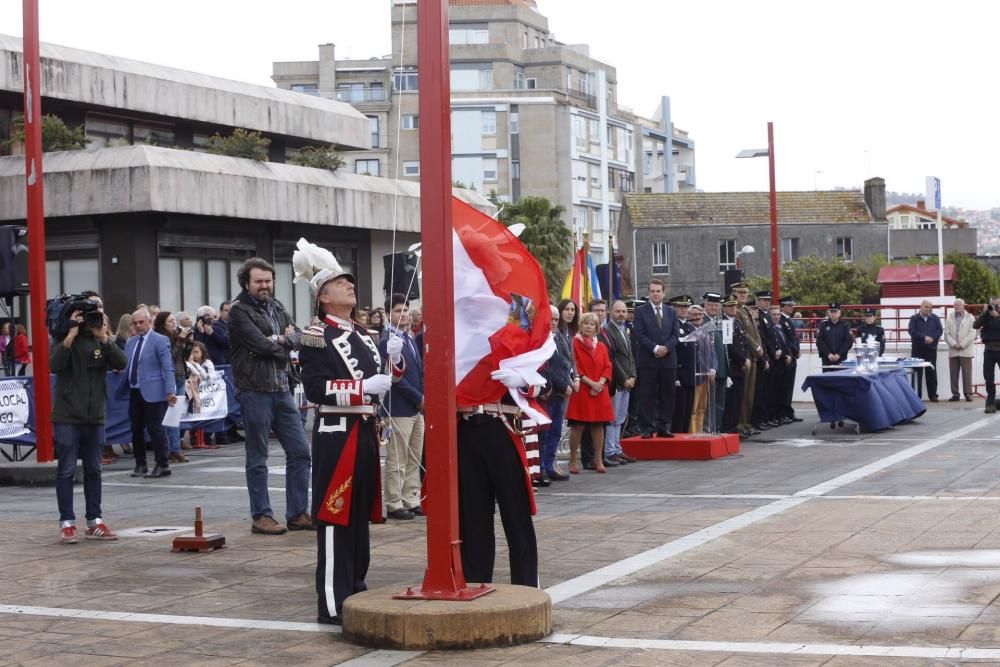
(802, 550)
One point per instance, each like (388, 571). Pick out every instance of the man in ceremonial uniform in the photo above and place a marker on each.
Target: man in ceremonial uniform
(745, 316)
(740, 363)
(686, 366)
(762, 402)
(714, 327)
(343, 374)
(833, 338)
(780, 365)
(792, 339)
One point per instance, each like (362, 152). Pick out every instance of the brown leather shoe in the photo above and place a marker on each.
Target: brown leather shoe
(301, 522)
(627, 458)
(177, 457)
(266, 525)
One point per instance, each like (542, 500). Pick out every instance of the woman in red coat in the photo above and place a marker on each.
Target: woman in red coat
(21, 354)
(591, 406)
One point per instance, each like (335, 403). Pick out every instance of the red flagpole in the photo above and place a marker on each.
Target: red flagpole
(443, 579)
(36, 230)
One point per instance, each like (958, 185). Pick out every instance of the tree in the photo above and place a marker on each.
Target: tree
(974, 282)
(56, 135)
(241, 143)
(318, 157)
(545, 236)
(815, 281)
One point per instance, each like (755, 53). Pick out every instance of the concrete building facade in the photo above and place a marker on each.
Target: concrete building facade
(144, 215)
(529, 114)
(689, 240)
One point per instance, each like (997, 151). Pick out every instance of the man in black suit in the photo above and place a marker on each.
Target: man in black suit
(655, 329)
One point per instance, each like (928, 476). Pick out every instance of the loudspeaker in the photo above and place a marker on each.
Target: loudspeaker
(400, 270)
(13, 261)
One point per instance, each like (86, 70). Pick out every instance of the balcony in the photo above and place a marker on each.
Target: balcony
(361, 95)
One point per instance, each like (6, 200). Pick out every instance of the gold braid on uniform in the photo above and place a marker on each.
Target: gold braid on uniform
(313, 337)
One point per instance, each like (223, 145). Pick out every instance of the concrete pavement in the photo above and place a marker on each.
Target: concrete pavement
(833, 550)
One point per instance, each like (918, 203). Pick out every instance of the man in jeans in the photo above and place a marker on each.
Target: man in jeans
(80, 361)
(261, 336)
(989, 325)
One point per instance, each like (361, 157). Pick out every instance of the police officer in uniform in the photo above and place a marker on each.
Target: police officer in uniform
(787, 304)
(871, 330)
(833, 338)
(344, 375)
(739, 365)
(763, 398)
(686, 362)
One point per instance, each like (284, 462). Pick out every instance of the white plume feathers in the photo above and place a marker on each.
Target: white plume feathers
(314, 265)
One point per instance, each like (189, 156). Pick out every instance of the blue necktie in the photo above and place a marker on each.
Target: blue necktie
(133, 373)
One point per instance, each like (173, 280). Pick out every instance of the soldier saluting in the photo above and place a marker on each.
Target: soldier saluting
(344, 375)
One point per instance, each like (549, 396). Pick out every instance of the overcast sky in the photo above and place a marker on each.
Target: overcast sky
(856, 88)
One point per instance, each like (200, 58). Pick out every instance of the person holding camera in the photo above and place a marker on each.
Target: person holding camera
(988, 324)
(80, 361)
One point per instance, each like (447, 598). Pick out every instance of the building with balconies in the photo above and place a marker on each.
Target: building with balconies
(530, 116)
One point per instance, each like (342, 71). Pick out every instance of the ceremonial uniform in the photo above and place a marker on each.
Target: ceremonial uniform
(739, 352)
(687, 381)
(745, 316)
(337, 356)
(767, 371)
(788, 386)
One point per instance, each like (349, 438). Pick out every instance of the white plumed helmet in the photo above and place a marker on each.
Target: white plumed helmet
(316, 266)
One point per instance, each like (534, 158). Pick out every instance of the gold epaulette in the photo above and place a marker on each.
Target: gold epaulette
(312, 336)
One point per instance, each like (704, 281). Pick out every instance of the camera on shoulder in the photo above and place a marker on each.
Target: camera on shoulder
(59, 323)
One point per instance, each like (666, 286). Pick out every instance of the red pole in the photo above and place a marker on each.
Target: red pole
(443, 579)
(774, 214)
(36, 230)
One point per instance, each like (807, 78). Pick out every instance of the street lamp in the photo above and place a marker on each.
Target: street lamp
(745, 250)
(769, 152)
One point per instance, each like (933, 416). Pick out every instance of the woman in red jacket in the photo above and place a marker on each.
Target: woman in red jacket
(21, 354)
(591, 406)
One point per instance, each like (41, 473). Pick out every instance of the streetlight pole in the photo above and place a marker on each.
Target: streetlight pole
(774, 213)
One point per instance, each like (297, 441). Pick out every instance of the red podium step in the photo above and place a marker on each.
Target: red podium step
(683, 446)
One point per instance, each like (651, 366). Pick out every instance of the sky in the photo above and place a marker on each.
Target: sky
(855, 88)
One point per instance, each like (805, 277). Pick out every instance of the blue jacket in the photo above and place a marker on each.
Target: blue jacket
(155, 367)
(217, 344)
(919, 328)
(648, 335)
(406, 394)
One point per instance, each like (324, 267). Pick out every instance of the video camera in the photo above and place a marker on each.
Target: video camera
(59, 323)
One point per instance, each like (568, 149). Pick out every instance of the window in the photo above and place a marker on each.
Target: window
(410, 121)
(373, 128)
(595, 131)
(404, 79)
(471, 33)
(472, 79)
(727, 254)
(376, 92)
(306, 88)
(515, 126)
(789, 250)
(519, 80)
(69, 276)
(530, 83)
(661, 258)
(538, 42)
(411, 168)
(490, 170)
(515, 169)
(104, 131)
(489, 122)
(845, 248)
(367, 167)
(153, 134)
(524, 40)
(351, 93)
(201, 271)
(580, 134)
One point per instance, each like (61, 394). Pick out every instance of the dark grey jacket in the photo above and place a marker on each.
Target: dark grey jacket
(259, 363)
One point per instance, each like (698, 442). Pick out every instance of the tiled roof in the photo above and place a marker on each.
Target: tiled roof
(746, 208)
(929, 215)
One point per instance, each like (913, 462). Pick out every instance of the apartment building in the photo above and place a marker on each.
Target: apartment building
(529, 114)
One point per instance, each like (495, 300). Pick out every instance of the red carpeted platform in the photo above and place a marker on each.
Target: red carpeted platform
(683, 446)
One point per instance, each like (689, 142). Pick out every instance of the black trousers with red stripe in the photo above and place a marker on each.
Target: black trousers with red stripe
(490, 473)
(343, 553)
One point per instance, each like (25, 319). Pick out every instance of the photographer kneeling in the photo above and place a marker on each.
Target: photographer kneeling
(80, 361)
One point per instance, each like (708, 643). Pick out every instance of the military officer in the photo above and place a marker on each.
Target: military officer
(745, 316)
(686, 366)
(787, 304)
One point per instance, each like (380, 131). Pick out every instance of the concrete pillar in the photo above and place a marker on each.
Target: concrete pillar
(327, 71)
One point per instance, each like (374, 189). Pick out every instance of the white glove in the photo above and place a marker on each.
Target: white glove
(510, 378)
(377, 384)
(394, 346)
(729, 383)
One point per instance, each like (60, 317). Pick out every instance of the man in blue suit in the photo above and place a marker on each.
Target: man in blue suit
(405, 406)
(150, 377)
(655, 329)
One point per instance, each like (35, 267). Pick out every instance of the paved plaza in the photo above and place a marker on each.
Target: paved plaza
(833, 550)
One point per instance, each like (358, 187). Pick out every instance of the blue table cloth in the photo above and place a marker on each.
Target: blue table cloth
(875, 400)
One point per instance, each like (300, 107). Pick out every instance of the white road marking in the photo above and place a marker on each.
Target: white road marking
(168, 619)
(751, 496)
(945, 652)
(194, 487)
(625, 567)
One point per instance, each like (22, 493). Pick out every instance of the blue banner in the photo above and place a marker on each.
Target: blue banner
(116, 425)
